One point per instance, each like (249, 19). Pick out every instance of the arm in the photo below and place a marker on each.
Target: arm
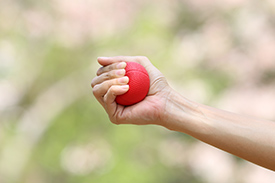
(246, 137)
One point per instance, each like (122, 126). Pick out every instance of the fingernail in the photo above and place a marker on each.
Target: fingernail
(123, 80)
(125, 87)
(121, 65)
(120, 72)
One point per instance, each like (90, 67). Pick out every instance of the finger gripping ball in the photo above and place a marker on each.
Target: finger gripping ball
(139, 84)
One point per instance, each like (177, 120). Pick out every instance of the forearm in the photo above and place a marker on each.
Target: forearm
(246, 137)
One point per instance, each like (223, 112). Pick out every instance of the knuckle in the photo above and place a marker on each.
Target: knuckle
(140, 58)
(108, 84)
(93, 82)
(143, 57)
(112, 88)
(112, 74)
(120, 58)
(99, 71)
(113, 66)
(95, 91)
(106, 76)
(115, 122)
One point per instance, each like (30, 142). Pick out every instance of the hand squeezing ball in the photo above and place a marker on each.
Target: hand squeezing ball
(139, 84)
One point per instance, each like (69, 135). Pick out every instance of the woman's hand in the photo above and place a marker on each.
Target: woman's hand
(111, 82)
(246, 137)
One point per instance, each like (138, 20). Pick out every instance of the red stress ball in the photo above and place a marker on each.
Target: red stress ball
(139, 84)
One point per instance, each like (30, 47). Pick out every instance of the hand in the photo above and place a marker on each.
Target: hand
(246, 137)
(111, 82)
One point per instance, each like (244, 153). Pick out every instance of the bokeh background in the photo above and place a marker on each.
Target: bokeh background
(220, 53)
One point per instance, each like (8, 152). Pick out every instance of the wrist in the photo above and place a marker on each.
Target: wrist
(184, 115)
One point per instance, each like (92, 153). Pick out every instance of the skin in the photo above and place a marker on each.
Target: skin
(246, 137)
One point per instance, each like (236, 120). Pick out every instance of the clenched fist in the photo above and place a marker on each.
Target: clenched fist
(111, 82)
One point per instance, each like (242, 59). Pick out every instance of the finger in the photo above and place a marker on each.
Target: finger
(109, 98)
(104, 61)
(107, 76)
(101, 89)
(108, 68)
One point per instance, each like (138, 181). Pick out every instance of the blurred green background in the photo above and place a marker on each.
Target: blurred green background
(220, 53)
